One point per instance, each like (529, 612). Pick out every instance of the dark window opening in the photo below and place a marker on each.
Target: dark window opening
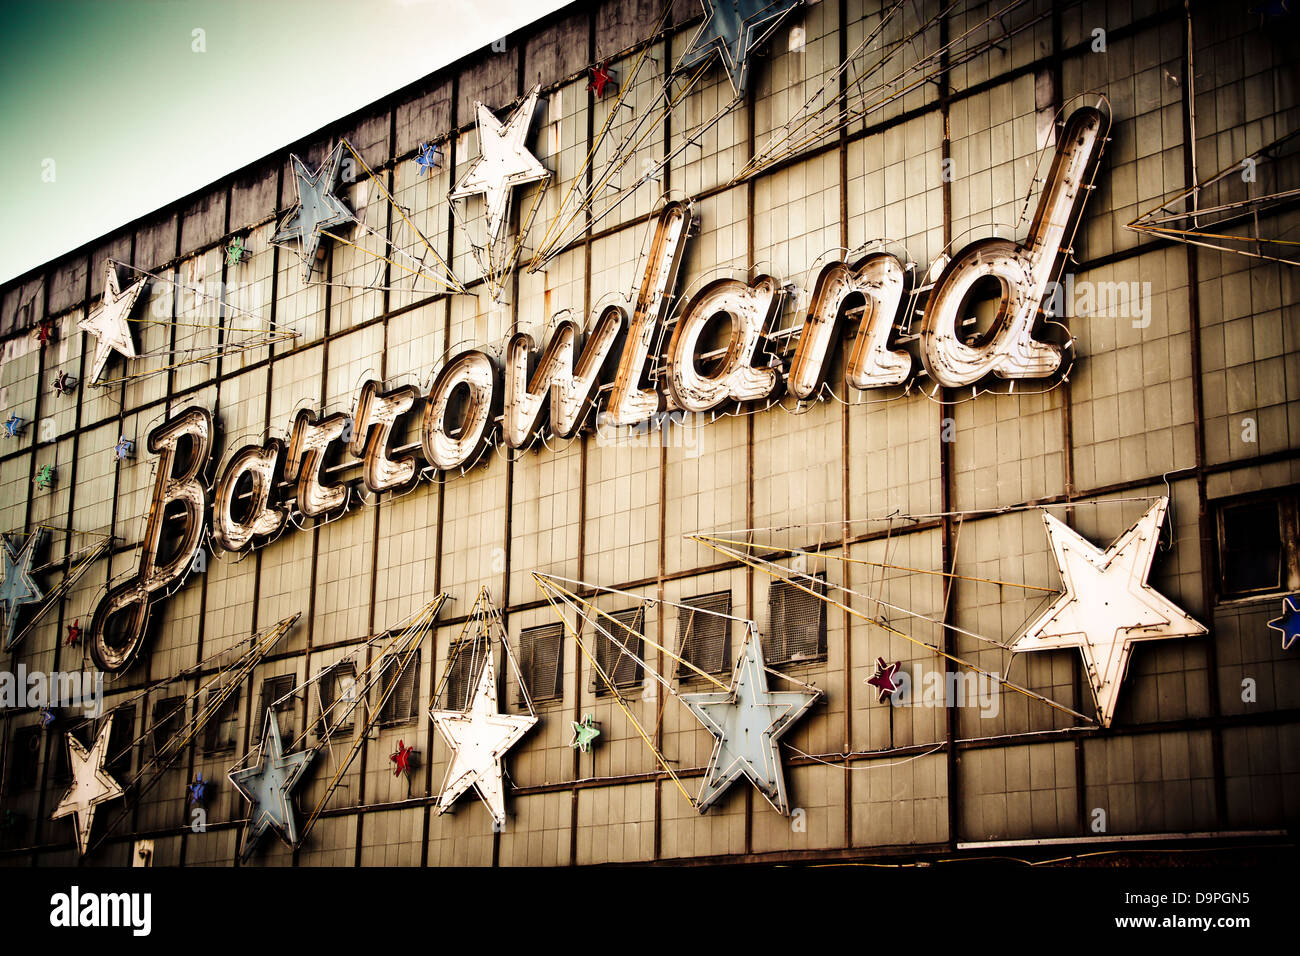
(1258, 552)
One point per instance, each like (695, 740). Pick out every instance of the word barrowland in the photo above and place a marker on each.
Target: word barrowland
(523, 395)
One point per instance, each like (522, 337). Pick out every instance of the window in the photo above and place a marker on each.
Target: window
(464, 665)
(121, 742)
(621, 667)
(274, 688)
(338, 699)
(219, 735)
(168, 719)
(1258, 551)
(796, 621)
(542, 661)
(25, 757)
(401, 707)
(703, 637)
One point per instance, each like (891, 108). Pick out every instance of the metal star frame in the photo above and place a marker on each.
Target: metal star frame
(504, 162)
(585, 733)
(91, 783)
(18, 587)
(108, 324)
(13, 425)
(45, 476)
(885, 679)
(734, 29)
(480, 735)
(268, 787)
(747, 723)
(1107, 605)
(428, 158)
(64, 383)
(317, 208)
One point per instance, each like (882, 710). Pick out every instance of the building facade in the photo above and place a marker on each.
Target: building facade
(844, 129)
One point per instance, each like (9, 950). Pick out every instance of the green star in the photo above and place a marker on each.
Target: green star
(45, 477)
(584, 733)
(235, 252)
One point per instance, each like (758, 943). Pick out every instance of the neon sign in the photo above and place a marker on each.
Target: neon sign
(528, 394)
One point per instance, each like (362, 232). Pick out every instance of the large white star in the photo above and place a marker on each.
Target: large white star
(504, 162)
(479, 737)
(1107, 604)
(747, 723)
(91, 783)
(108, 322)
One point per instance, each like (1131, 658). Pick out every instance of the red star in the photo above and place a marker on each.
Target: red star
(74, 631)
(44, 332)
(885, 679)
(600, 77)
(402, 758)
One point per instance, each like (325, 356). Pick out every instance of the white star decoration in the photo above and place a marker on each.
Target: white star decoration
(504, 163)
(747, 723)
(91, 783)
(1107, 604)
(479, 737)
(108, 322)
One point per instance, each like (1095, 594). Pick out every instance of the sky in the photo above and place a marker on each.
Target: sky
(112, 108)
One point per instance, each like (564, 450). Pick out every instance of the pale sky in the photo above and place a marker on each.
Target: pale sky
(132, 117)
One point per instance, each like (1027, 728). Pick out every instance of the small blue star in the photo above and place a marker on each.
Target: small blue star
(1289, 622)
(18, 588)
(47, 716)
(13, 426)
(123, 448)
(428, 158)
(198, 789)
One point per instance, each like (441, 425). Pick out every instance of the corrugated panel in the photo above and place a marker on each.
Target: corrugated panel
(400, 708)
(621, 667)
(796, 622)
(543, 661)
(705, 639)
